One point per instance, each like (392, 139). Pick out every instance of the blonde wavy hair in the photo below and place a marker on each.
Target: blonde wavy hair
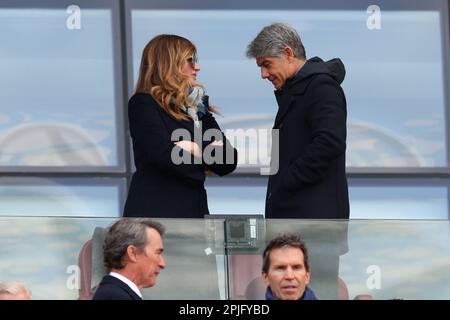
(160, 72)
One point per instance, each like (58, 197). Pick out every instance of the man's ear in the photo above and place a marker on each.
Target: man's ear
(265, 278)
(289, 53)
(132, 253)
(308, 277)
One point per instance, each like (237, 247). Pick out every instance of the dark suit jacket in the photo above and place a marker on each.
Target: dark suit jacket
(111, 288)
(160, 188)
(311, 181)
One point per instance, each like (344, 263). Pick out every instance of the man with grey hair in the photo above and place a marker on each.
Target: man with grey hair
(14, 291)
(132, 252)
(311, 121)
(310, 182)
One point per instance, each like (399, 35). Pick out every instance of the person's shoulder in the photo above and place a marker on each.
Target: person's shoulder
(111, 292)
(141, 98)
(324, 85)
(111, 288)
(323, 78)
(142, 102)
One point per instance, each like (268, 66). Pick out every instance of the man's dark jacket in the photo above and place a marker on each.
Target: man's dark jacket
(111, 288)
(307, 295)
(311, 119)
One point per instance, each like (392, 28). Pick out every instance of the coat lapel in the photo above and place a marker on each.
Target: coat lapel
(285, 102)
(286, 98)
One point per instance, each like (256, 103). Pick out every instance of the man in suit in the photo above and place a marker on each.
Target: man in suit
(133, 251)
(311, 122)
(310, 182)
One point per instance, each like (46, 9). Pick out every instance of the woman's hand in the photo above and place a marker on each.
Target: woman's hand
(190, 147)
(217, 143)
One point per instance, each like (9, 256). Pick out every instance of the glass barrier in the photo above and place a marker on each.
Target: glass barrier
(356, 259)
(61, 258)
(221, 258)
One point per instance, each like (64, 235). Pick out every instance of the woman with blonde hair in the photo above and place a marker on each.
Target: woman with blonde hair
(169, 115)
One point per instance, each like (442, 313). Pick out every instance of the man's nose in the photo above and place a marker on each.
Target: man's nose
(197, 67)
(264, 73)
(289, 273)
(162, 263)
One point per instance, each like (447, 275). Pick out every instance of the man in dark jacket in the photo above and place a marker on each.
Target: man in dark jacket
(310, 182)
(311, 122)
(132, 252)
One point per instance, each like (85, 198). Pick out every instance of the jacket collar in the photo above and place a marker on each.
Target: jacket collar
(128, 282)
(298, 83)
(285, 96)
(116, 281)
(307, 295)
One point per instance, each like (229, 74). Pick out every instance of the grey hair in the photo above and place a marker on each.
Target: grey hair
(13, 288)
(123, 233)
(273, 39)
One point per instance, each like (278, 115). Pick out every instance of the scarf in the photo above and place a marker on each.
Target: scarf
(196, 104)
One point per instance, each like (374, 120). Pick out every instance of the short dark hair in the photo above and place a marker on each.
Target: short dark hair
(123, 233)
(283, 241)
